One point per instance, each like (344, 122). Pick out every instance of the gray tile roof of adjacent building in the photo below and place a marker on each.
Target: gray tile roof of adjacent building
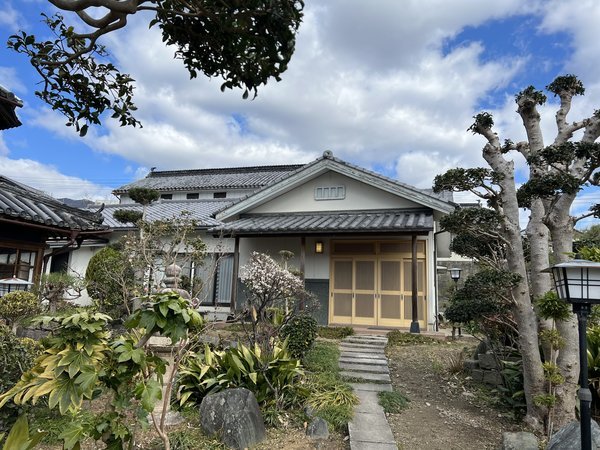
(200, 210)
(210, 179)
(338, 222)
(22, 203)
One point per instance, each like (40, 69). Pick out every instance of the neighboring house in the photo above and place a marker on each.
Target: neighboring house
(361, 240)
(35, 227)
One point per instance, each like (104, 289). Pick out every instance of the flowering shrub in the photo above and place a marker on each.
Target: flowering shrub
(274, 297)
(18, 305)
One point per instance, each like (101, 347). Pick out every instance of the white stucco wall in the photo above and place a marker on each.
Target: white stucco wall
(359, 196)
(202, 194)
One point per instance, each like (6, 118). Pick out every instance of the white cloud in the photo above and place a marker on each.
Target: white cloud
(49, 179)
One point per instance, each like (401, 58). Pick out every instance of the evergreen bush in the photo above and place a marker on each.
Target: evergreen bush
(301, 332)
(109, 278)
(18, 305)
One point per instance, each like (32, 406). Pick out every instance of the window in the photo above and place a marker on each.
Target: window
(166, 196)
(192, 196)
(16, 262)
(220, 195)
(330, 193)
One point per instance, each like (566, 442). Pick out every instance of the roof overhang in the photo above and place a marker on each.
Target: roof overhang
(356, 222)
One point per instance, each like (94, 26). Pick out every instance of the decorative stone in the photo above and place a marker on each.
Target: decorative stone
(234, 416)
(470, 365)
(521, 440)
(172, 281)
(492, 377)
(477, 375)
(317, 429)
(487, 361)
(569, 437)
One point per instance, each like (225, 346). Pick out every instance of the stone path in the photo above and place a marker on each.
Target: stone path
(363, 359)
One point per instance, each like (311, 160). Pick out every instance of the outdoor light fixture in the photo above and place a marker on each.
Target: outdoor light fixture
(319, 247)
(13, 284)
(455, 273)
(578, 282)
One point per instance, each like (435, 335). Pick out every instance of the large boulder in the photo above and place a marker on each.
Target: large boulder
(569, 437)
(234, 416)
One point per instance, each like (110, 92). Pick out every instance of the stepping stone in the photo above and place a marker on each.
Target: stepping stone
(361, 355)
(373, 351)
(358, 340)
(373, 387)
(370, 428)
(360, 445)
(384, 377)
(371, 368)
(369, 403)
(372, 361)
(363, 346)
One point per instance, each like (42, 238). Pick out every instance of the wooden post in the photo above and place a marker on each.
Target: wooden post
(236, 268)
(414, 325)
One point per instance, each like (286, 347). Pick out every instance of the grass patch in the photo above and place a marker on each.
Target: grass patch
(328, 395)
(335, 332)
(399, 338)
(393, 402)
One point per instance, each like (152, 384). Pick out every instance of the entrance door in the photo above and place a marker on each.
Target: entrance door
(391, 299)
(354, 293)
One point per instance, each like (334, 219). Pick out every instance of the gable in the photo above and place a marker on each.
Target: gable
(356, 196)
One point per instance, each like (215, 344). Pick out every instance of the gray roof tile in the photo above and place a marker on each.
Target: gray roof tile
(28, 205)
(339, 222)
(200, 210)
(223, 178)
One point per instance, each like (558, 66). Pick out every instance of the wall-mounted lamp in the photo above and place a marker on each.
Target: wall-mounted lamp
(455, 274)
(319, 247)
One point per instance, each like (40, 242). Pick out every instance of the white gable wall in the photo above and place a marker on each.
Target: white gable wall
(359, 196)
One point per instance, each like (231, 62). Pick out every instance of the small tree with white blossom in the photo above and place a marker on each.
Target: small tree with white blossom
(269, 289)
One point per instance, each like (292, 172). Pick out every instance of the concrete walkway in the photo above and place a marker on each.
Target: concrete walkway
(363, 359)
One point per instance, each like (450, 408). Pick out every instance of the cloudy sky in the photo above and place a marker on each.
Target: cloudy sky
(389, 85)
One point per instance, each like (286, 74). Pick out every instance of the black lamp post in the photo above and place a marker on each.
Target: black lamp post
(455, 275)
(578, 282)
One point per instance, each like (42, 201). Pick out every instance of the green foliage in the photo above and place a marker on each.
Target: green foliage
(109, 279)
(323, 357)
(546, 400)
(335, 332)
(402, 338)
(269, 376)
(593, 352)
(167, 314)
(588, 238)
(393, 402)
(20, 437)
(512, 391)
(460, 179)
(143, 196)
(83, 361)
(553, 338)
(126, 216)
(300, 332)
(55, 286)
(529, 97)
(589, 253)
(546, 186)
(483, 121)
(245, 43)
(550, 306)
(569, 84)
(16, 356)
(18, 305)
(552, 373)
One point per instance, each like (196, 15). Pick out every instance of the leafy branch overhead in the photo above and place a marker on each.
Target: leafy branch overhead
(243, 42)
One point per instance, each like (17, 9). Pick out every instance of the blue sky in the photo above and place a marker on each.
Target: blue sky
(392, 88)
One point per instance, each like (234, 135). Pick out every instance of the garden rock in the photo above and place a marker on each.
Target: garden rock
(488, 361)
(317, 429)
(569, 437)
(234, 415)
(519, 441)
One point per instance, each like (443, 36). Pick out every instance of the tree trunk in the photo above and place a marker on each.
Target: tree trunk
(561, 229)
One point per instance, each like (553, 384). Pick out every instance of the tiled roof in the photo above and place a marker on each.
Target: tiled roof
(224, 178)
(28, 205)
(338, 222)
(200, 210)
(8, 103)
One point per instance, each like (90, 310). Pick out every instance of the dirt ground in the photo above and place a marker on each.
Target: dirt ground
(445, 411)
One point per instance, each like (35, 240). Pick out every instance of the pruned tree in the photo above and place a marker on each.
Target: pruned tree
(244, 42)
(557, 173)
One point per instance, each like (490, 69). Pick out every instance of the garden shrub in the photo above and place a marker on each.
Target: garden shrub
(335, 332)
(270, 376)
(300, 332)
(401, 338)
(16, 356)
(18, 305)
(108, 276)
(392, 402)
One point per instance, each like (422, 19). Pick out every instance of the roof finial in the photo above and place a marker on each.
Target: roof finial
(328, 154)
